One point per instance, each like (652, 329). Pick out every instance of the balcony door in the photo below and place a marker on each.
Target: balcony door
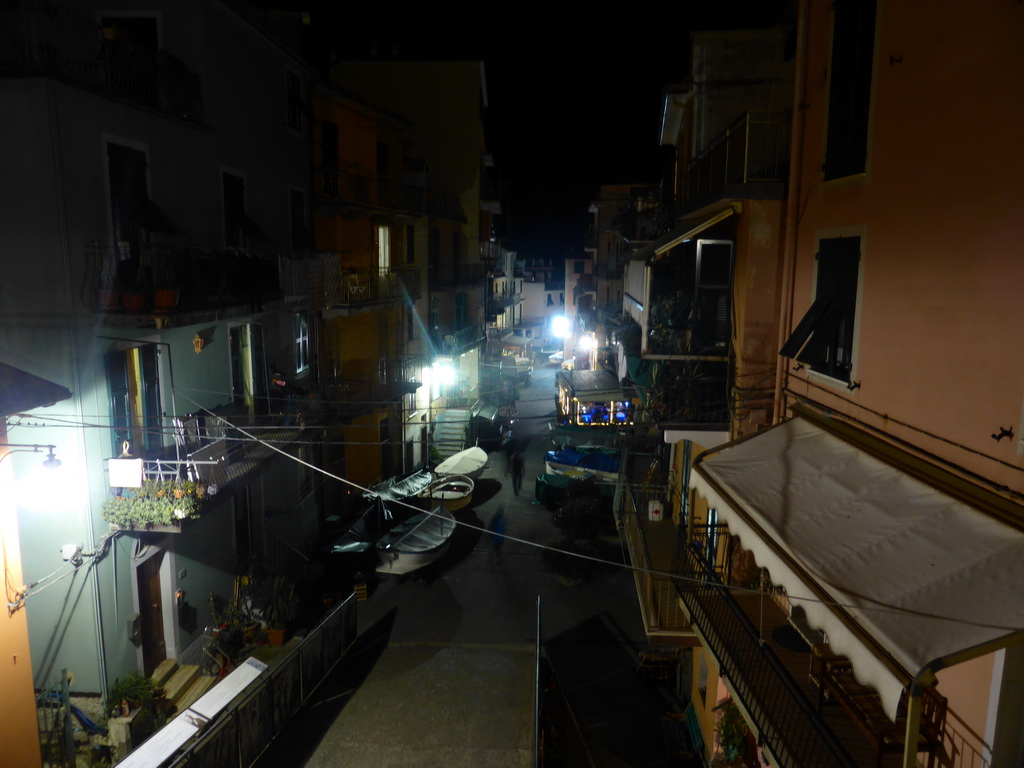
(249, 377)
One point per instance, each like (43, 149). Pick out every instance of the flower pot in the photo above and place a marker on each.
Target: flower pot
(275, 637)
(133, 302)
(165, 298)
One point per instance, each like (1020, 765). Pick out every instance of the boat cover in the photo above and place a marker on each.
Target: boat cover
(469, 462)
(397, 488)
(420, 533)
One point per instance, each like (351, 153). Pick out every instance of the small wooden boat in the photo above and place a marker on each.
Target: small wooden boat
(470, 462)
(454, 491)
(417, 542)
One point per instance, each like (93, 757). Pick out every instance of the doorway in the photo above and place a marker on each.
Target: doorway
(154, 647)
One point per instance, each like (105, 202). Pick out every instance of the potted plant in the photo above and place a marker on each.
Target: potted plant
(280, 607)
(129, 694)
(155, 505)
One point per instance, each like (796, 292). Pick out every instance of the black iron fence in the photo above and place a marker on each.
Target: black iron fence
(755, 148)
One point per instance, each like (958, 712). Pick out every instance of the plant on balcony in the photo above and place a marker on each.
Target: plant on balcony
(155, 503)
(732, 733)
(129, 693)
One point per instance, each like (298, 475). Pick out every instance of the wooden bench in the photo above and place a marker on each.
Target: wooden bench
(836, 683)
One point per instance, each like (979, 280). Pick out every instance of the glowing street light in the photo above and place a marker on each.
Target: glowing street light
(561, 327)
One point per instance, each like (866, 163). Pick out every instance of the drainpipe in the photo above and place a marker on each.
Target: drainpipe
(72, 332)
(792, 203)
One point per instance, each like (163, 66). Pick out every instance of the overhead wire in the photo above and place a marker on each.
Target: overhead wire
(878, 606)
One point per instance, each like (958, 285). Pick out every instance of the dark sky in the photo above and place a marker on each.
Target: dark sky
(570, 108)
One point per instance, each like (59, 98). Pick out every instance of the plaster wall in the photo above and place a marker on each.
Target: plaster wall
(938, 211)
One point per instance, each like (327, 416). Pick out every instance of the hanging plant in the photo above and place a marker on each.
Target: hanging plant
(155, 503)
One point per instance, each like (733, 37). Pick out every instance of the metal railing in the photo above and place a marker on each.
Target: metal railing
(348, 185)
(688, 392)
(132, 278)
(455, 342)
(788, 724)
(353, 395)
(659, 601)
(45, 38)
(755, 148)
(346, 286)
(247, 726)
(962, 747)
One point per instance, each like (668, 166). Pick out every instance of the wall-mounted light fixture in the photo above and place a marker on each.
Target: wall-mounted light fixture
(198, 342)
(50, 462)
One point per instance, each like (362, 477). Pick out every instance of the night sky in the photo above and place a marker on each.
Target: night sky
(569, 108)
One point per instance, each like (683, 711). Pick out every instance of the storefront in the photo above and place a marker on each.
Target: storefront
(594, 399)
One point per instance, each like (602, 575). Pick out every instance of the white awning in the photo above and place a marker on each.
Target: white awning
(918, 574)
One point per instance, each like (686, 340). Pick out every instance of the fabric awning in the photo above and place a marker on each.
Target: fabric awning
(908, 574)
(688, 228)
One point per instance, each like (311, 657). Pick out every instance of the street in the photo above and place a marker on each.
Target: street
(443, 671)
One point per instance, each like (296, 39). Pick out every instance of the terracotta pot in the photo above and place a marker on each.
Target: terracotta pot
(165, 298)
(275, 637)
(133, 302)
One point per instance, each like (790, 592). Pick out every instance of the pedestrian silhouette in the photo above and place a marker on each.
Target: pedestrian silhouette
(497, 529)
(518, 469)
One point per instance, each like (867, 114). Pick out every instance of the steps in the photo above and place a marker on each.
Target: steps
(182, 685)
(450, 430)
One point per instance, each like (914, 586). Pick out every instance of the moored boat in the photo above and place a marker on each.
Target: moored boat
(454, 491)
(470, 463)
(417, 542)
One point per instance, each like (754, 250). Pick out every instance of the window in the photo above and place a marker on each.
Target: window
(410, 244)
(823, 339)
(434, 252)
(712, 294)
(577, 267)
(383, 247)
(134, 381)
(456, 246)
(460, 310)
(849, 94)
(561, 299)
(329, 156)
(300, 330)
(301, 240)
(551, 300)
(383, 166)
(435, 312)
(294, 101)
(249, 377)
(410, 325)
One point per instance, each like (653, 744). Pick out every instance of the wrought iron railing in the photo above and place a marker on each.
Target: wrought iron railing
(40, 37)
(345, 286)
(788, 724)
(355, 395)
(131, 278)
(755, 148)
(688, 392)
(349, 185)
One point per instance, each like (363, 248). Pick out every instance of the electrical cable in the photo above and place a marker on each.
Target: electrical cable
(877, 607)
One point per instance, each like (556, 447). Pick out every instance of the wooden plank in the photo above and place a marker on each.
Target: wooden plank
(180, 682)
(163, 671)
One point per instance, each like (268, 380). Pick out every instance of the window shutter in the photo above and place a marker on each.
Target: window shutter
(120, 403)
(152, 421)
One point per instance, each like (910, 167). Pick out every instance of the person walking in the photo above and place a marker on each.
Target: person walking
(518, 469)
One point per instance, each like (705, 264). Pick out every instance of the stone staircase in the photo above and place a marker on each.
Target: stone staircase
(450, 430)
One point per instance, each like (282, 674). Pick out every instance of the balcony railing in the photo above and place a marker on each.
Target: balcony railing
(346, 185)
(651, 546)
(755, 148)
(787, 722)
(44, 38)
(347, 286)
(135, 279)
(348, 397)
(688, 392)
(453, 341)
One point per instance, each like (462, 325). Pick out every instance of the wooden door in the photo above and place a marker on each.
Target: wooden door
(154, 649)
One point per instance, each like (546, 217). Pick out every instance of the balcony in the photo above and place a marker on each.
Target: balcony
(750, 158)
(348, 397)
(360, 287)
(685, 392)
(223, 436)
(652, 546)
(173, 284)
(452, 341)
(777, 676)
(40, 39)
(347, 188)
